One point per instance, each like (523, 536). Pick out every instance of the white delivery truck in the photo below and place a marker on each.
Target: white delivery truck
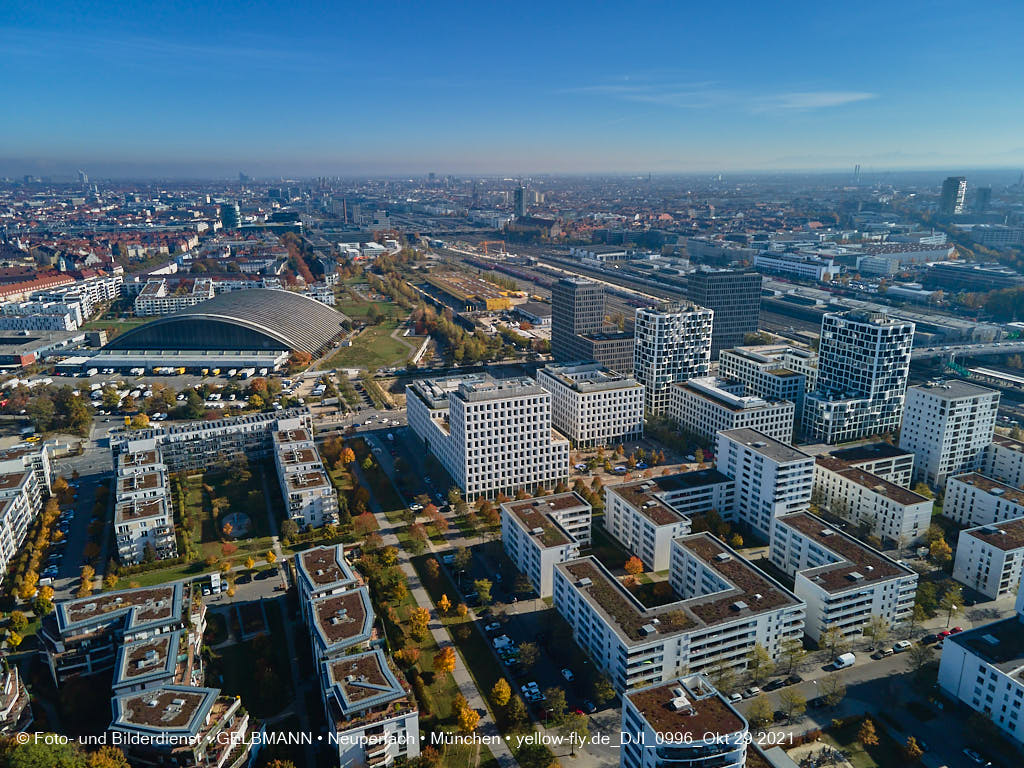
(844, 660)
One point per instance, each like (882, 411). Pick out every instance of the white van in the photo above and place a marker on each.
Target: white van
(844, 660)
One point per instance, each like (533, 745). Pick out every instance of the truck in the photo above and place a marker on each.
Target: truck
(844, 660)
(180, 369)
(205, 371)
(216, 371)
(92, 371)
(232, 372)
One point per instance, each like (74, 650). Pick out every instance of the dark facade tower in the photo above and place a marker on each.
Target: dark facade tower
(577, 308)
(520, 201)
(735, 298)
(954, 196)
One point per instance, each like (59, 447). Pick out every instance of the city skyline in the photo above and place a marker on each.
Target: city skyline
(132, 91)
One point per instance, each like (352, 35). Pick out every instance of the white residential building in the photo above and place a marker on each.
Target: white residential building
(90, 293)
(1003, 459)
(947, 426)
(309, 495)
(989, 558)
(671, 343)
(537, 533)
(682, 722)
(723, 607)
(143, 515)
(21, 500)
(645, 516)
(157, 298)
(973, 499)
(883, 460)
(773, 371)
(844, 582)
(592, 405)
(491, 436)
(863, 363)
(984, 668)
(772, 478)
(879, 508)
(708, 405)
(809, 266)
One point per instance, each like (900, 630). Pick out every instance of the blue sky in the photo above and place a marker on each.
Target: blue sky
(514, 87)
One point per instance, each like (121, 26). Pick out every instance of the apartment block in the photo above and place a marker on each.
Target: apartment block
(35, 458)
(682, 722)
(989, 558)
(863, 364)
(844, 582)
(593, 406)
(708, 405)
(884, 460)
(722, 606)
(946, 425)
(309, 495)
(157, 297)
(143, 515)
(877, 507)
(973, 499)
(195, 445)
(984, 668)
(771, 477)
(671, 343)
(371, 712)
(492, 436)
(15, 706)
(772, 371)
(1003, 460)
(21, 501)
(647, 515)
(537, 533)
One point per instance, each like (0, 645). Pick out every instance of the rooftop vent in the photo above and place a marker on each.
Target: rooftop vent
(758, 444)
(584, 582)
(537, 531)
(723, 556)
(854, 576)
(827, 531)
(648, 629)
(870, 568)
(996, 491)
(758, 596)
(682, 705)
(990, 639)
(739, 605)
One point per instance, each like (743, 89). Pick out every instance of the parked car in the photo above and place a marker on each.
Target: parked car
(735, 698)
(955, 630)
(775, 684)
(901, 646)
(589, 706)
(568, 675)
(794, 679)
(929, 639)
(751, 692)
(492, 627)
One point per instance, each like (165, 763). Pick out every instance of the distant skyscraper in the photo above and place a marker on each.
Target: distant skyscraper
(577, 308)
(863, 362)
(954, 196)
(230, 216)
(982, 198)
(672, 343)
(735, 298)
(83, 178)
(520, 201)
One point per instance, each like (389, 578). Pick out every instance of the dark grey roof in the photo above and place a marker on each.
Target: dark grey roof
(297, 321)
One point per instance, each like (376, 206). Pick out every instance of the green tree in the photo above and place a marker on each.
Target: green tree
(602, 690)
(574, 726)
(516, 712)
(556, 702)
(760, 714)
(483, 588)
(792, 702)
(501, 692)
(792, 653)
(833, 688)
(867, 735)
(528, 654)
(952, 601)
(759, 663)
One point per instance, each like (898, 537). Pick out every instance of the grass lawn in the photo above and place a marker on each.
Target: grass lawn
(373, 348)
(886, 754)
(114, 326)
(358, 309)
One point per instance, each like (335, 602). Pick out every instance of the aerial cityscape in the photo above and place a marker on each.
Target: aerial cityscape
(370, 402)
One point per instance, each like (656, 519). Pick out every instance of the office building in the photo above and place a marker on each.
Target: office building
(722, 606)
(953, 201)
(973, 499)
(704, 406)
(592, 405)
(1003, 460)
(771, 477)
(982, 199)
(672, 343)
(491, 436)
(844, 582)
(230, 216)
(809, 266)
(946, 425)
(989, 558)
(773, 371)
(682, 722)
(863, 363)
(520, 201)
(877, 507)
(958, 276)
(309, 495)
(984, 668)
(734, 297)
(537, 533)
(645, 516)
(143, 515)
(577, 327)
(884, 460)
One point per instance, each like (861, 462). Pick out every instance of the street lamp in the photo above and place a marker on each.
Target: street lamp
(949, 615)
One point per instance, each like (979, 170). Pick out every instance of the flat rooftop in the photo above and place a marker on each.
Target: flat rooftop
(140, 481)
(139, 509)
(871, 482)
(303, 481)
(290, 456)
(992, 487)
(692, 718)
(1009, 443)
(1000, 644)
(589, 377)
(1006, 535)
(954, 389)
(714, 391)
(870, 452)
(135, 459)
(364, 681)
(170, 708)
(766, 446)
(292, 436)
(149, 604)
(749, 592)
(537, 514)
(325, 566)
(11, 480)
(344, 619)
(856, 563)
(645, 495)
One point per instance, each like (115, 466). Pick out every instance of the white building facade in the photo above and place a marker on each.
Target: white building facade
(671, 344)
(989, 558)
(973, 499)
(708, 405)
(593, 406)
(536, 534)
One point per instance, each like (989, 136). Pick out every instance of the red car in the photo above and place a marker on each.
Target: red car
(954, 630)
(945, 633)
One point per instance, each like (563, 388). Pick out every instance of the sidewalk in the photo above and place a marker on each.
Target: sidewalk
(467, 687)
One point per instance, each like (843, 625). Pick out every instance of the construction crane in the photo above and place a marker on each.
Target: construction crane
(485, 243)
